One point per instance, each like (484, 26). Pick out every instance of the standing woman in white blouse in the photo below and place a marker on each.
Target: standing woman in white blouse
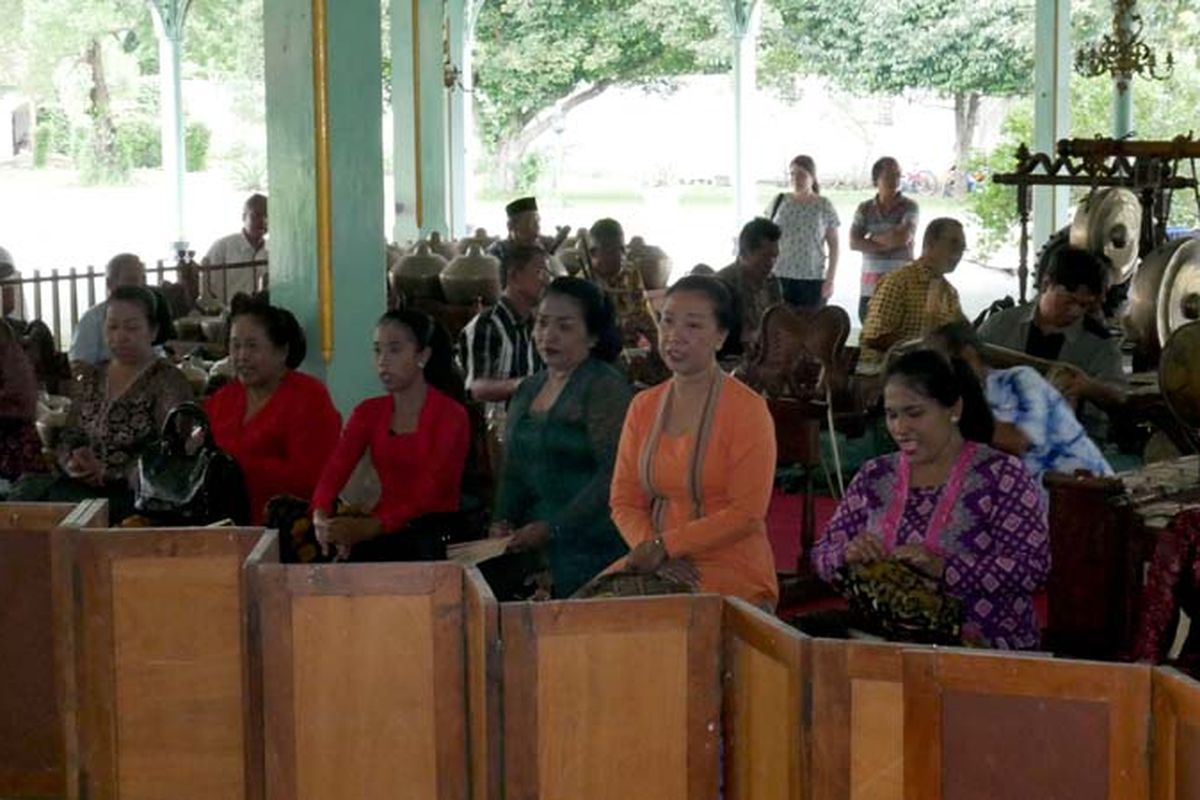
(810, 225)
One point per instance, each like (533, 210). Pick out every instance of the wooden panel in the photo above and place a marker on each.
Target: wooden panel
(1187, 761)
(1057, 718)
(177, 633)
(65, 605)
(31, 732)
(1097, 556)
(266, 551)
(364, 680)
(612, 698)
(1020, 747)
(31, 750)
(876, 740)
(857, 737)
(483, 685)
(33, 516)
(764, 675)
(160, 690)
(363, 672)
(1175, 769)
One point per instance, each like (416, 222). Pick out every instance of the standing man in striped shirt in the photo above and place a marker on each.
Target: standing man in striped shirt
(883, 230)
(496, 347)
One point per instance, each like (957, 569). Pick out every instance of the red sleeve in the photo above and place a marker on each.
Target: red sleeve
(350, 447)
(312, 426)
(438, 487)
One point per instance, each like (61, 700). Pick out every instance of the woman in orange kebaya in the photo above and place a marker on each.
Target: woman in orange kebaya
(696, 463)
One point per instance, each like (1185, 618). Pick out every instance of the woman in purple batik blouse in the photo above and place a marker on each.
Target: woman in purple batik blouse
(947, 504)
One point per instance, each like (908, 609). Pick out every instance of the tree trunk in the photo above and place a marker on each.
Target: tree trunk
(511, 150)
(966, 116)
(104, 133)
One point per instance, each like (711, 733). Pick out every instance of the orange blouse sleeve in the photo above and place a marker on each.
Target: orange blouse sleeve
(629, 501)
(748, 463)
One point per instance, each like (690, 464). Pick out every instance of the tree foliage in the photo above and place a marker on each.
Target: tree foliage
(958, 48)
(86, 57)
(533, 57)
(888, 46)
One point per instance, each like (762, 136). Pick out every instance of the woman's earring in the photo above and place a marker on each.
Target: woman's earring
(954, 419)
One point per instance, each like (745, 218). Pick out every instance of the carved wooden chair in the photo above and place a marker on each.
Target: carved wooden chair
(803, 368)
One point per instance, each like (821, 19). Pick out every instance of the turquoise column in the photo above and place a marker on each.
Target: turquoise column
(325, 167)
(419, 106)
(1052, 119)
(459, 29)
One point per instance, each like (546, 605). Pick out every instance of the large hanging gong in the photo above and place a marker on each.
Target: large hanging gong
(1140, 319)
(1179, 293)
(1109, 222)
(1179, 375)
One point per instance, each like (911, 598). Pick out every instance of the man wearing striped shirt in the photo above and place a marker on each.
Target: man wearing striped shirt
(496, 347)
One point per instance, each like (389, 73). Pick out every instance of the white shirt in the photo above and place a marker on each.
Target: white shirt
(232, 249)
(802, 246)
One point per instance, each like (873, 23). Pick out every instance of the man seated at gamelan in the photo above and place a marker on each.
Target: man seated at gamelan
(525, 230)
(749, 278)
(1034, 421)
(621, 281)
(1060, 326)
(917, 298)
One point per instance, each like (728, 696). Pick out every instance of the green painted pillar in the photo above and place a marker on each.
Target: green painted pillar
(338, 315)
(1052, 119)
(420, 109)
(458, 41)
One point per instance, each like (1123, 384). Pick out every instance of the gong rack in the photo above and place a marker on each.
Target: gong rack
(1148, 168)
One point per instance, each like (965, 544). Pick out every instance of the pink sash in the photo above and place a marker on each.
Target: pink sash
(941, 512)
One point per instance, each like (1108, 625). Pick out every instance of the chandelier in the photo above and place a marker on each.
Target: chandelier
(1122, 53)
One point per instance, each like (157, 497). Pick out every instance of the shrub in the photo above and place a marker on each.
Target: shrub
(41, 145)
(52, 136)
(196, 140)
(140, 142)
(248, 168)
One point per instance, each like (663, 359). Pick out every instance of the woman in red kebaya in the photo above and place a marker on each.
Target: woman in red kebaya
(279, 425)
(418, 435)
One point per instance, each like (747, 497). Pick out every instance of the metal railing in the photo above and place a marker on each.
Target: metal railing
(58, 297)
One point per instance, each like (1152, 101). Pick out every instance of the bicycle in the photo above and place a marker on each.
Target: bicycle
(920, 182)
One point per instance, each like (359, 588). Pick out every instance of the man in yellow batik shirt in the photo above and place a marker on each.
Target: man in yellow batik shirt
(915, 299)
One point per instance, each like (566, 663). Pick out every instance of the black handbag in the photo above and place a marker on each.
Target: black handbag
(178, 488)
